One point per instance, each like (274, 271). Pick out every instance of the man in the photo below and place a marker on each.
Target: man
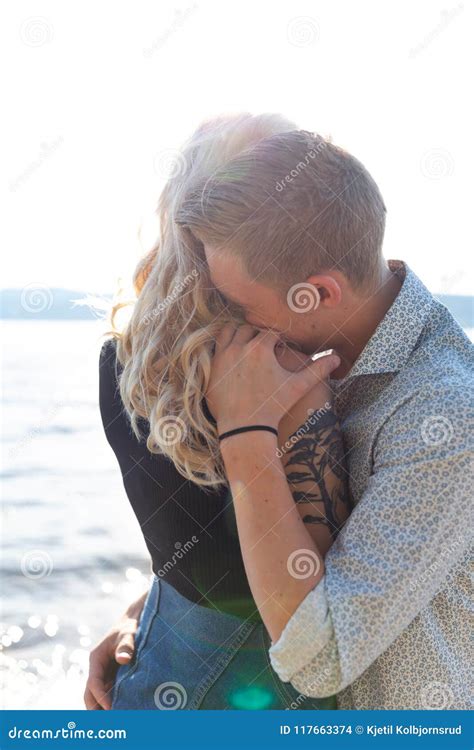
(385, 622)
(382, 620)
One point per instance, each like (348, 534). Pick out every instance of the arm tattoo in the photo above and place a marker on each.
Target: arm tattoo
(318, 461)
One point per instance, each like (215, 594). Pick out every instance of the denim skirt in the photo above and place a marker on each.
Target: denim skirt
(192, 657)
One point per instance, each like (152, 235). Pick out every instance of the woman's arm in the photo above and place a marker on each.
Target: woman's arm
(283, 562)
(289, 508)
(276, 545)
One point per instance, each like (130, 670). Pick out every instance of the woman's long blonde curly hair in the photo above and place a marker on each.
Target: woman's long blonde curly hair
(165, 349)
(268, 193)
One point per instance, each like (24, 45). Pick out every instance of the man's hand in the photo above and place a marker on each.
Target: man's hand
(116, 648)
(319, 395)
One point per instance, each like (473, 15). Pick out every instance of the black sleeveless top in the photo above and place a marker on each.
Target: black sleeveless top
(190, 533)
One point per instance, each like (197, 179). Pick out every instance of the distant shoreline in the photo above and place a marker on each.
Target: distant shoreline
(39, 302)
(36, 302)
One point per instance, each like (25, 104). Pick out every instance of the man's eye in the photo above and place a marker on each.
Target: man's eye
(235, 308)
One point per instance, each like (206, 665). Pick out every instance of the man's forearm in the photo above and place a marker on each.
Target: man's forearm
(281, 559)
(313, 457)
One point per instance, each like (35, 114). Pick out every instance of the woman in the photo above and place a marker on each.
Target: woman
(201, 642)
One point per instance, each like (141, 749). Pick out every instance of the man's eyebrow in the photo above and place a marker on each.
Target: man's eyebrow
(233, 302)
(227, 297)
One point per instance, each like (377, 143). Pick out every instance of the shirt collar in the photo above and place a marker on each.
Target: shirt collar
(394, 339)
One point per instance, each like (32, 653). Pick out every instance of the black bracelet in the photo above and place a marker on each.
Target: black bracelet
(248, 429)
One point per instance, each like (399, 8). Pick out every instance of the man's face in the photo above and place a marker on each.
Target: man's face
(263, 306)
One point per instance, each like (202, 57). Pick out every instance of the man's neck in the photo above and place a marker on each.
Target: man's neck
(361, 322)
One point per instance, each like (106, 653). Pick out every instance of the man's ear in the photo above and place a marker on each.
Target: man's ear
(329, 289)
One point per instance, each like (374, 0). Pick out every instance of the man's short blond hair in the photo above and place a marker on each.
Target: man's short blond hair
(292, 205)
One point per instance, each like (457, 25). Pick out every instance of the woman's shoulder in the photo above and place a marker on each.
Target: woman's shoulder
(110, 400)
(109, 365)
(108, 352)
(109, 369)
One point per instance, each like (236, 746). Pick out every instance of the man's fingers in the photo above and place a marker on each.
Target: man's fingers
(125, 648)
(318, 370)
(323, 367)
(90, 702)
(100, 693)
(290, 359)
(99, 671)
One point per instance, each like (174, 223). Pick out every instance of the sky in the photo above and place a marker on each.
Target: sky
(100, 94)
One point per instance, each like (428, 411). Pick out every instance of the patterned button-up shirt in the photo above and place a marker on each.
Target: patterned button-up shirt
(389, 626)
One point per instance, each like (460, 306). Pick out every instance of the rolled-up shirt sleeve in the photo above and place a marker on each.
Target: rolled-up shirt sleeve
(411, 526)
(309, 631)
